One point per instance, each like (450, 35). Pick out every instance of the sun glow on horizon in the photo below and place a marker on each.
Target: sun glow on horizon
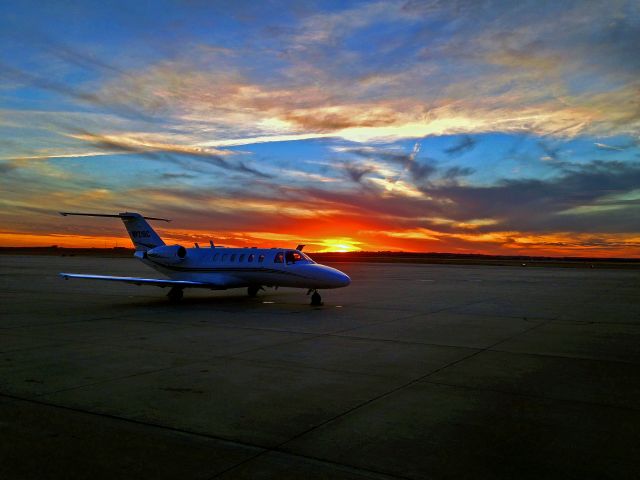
(495, 243)
(342, 245)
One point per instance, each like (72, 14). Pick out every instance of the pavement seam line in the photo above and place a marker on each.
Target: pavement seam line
(531, 395)
(396, 389)
(185, 431)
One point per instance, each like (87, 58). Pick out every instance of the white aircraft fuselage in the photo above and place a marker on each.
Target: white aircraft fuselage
(218, 268)
(244, 267)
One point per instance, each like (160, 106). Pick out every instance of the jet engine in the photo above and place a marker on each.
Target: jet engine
(168, 254)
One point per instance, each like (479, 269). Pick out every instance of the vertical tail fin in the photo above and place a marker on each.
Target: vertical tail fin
(142, 235)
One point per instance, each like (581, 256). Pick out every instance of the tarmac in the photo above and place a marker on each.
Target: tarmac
(414, 371)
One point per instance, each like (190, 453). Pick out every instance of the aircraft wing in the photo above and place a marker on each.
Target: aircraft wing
(157, 282)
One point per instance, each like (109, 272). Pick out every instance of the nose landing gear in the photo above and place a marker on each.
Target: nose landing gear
(316, 299)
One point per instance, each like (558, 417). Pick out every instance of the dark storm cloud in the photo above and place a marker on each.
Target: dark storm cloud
(582, 198)
(545, 205)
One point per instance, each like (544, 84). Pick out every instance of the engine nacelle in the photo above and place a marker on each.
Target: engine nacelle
(168, 254)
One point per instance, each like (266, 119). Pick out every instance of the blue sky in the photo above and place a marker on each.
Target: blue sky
(487, 127)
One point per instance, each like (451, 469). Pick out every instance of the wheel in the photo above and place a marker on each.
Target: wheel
(253, 291)
(316, 299)
(175, 294)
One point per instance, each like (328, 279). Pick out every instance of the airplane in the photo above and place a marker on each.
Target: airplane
(218, 268)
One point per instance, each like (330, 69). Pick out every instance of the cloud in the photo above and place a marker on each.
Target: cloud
(323, 29)
(465, 144)
(332, 119)
(357, 172)
(160, 151)
(604, 146)
(534, 214)
(551, 151)
(420, 170)
(453, 173)
(48, 84)
(176, 176)
(241, 109)
(86, 60)
(546, 205)
(618, 148)
(522, 73)
(6, 167)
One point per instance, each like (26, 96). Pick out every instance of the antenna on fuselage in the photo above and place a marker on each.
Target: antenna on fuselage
(211, 243)
(196, 245)
(300, 247)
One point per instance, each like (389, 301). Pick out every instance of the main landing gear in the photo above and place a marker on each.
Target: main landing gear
(253, 290)
(175, 294)
(316, 299)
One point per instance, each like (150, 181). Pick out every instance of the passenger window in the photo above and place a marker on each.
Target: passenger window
(233, 257)
(251, 257)
(279, 258)
(261, 259)
(241, 257)
(224, 257)
(215, 257)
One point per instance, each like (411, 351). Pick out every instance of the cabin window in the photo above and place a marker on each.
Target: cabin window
(279, 258)
(224, 257)
(241, 257)
(233, 257)
(261, 259)
(215, 257)
(250, 258)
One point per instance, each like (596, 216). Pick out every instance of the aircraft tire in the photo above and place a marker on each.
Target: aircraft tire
(253, 291)
(316, 299)
(175, 294)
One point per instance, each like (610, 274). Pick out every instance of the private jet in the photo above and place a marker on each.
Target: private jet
(218, 268)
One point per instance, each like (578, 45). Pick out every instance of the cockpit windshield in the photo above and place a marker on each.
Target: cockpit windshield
(307, 258)
(296, 256)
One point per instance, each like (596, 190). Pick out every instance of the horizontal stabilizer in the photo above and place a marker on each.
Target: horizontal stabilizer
(143, 236)
(156, 282)
(119, 215)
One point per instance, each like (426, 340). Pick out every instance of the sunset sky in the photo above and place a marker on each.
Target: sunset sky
(439, 126)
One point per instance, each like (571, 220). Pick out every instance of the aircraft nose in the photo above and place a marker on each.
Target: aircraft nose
(336, 278)
(342, 279)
